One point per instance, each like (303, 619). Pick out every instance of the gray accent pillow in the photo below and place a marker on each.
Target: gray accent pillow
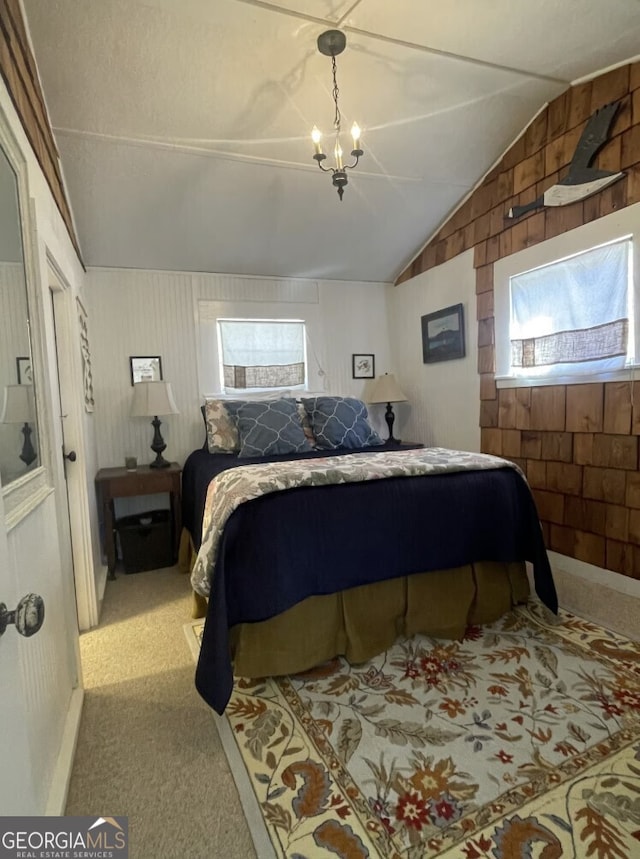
(340, 422)
(268, 427)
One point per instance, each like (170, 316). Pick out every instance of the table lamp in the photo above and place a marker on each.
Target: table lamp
(385, 389)
(153, 399)
(18, 409)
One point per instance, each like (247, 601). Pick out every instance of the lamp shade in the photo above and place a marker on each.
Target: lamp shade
(18, 404)
(385, 389)
(151, 399)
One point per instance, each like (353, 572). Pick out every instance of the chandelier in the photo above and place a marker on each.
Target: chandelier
(331, 44)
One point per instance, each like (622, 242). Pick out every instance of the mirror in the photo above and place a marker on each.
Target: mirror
(18, 419)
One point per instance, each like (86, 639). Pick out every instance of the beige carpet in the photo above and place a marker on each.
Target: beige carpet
(148, 746)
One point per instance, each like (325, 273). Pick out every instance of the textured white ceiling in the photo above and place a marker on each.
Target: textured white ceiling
(183, 125)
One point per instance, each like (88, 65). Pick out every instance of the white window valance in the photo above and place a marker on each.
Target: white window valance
(262, 353)
(572, 316)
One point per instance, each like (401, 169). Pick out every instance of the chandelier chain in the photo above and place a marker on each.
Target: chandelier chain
(336, 92)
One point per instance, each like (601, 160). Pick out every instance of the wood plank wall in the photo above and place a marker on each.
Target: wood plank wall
(577, 444)
(20, 74)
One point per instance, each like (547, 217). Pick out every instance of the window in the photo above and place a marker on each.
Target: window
(565, 309)
(261, 353)
(572, 316)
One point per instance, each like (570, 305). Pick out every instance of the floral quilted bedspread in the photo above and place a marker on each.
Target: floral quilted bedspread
(236, 485)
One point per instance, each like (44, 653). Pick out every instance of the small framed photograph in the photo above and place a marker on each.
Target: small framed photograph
(145, 369)
(443, 335)
(363, 366)
(24, 371)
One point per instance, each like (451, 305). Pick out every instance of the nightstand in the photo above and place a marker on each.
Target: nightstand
(119, 483)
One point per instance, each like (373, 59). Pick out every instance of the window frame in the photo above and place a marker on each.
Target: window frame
(611, 228)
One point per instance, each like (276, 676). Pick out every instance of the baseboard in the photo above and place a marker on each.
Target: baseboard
(57, 799)
(602, 596)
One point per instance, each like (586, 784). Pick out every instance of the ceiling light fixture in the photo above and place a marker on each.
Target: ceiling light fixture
(331, 43)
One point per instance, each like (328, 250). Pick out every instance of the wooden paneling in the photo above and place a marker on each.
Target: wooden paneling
(548, 407)
(579, 442)
(532, 444)
(585, 408)
(615, 451)
(557, 446)
(617, 407)
(604, 484)
(19, 72)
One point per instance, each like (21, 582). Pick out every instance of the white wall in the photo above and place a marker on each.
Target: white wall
(134, 312)
(444, 398)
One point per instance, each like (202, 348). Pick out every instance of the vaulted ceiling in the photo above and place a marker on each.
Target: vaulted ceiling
(183, 125)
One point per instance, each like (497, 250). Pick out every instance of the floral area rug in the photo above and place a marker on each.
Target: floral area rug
(521, 740)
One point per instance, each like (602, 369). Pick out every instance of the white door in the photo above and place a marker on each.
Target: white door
(40, 693)
(16, 792)
(39, 684)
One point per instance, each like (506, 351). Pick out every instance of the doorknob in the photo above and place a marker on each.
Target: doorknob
(71, 456)
(28, 615)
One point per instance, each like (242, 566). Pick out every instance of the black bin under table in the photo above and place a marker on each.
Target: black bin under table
(146, 541)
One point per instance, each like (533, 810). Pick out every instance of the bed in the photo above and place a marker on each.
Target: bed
(310, 571)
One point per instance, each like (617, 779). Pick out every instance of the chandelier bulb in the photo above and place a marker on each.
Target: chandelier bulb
(338, 156)
(355, 133)
(316, 136)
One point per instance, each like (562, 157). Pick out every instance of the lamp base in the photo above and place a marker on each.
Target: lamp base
(159, 462)
(28, 454)
(390, 418)
(157, 446)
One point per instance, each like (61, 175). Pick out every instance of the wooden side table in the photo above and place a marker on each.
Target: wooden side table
(119, 483)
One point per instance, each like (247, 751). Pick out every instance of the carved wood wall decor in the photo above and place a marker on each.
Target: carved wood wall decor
(583, 179)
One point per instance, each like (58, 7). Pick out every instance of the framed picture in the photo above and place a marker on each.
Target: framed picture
(443, 335)
(24, 371)
(146, 369)
(363, 366)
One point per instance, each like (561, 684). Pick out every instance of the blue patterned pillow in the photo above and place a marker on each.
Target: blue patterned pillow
(268, 427)
(340, 422)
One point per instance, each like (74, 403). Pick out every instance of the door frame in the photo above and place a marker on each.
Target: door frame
(66, 328)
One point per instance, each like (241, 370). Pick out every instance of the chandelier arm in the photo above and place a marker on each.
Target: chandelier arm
(326, 169)
(351, 166)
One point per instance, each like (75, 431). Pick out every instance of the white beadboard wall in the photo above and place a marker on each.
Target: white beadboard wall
(443, 398)
(133, 312)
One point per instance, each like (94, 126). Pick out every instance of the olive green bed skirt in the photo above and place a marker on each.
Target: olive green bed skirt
(362, 622)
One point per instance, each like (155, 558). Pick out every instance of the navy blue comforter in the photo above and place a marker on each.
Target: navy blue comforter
(281, 548)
